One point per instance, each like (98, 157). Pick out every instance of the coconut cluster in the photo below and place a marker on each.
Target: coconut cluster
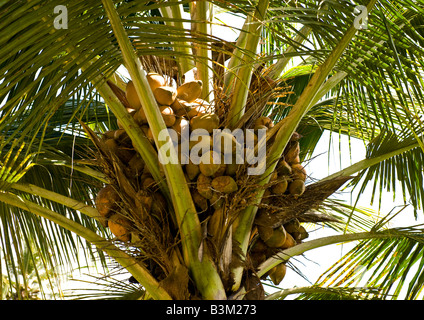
(213, 182)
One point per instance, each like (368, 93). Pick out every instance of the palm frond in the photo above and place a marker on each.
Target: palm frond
(392, 265)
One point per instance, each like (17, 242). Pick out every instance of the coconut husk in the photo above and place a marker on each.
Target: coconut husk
(176, 283)
(120, 94)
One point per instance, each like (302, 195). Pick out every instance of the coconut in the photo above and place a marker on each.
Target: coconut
(297, 188)
(122, 138)
(204, 186)
(300, 234)
(280, 187)
(200, 201)
(155, 80)
(292, 153)
(106, 200)
(168, 115)
(165, 95)
(202, 142)
(123, 153)
(120, 226)
(140, 117)
(217, 200)
(283, 168)
(197, 109)
(226, 143)
(181, 107)
(277, 273)
(192, 170)
(208, 121)
(179, 125)
(221, 171)
(277, 239)
(209, 163)
(265, 232)
(224, 184)
(260, 127)
(143, 202)
(263, 121)
(298, 172)
(190, 90)
(136, 165)
(148, 183)
(132, 97)
(290, 242)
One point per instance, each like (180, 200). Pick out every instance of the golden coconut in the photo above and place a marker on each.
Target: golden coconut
(168, 115)
(265, 232)
(217, 200)
(136, 165)
(181, 107)
(190, 91)
(208, 121)
(132, 96)
(198, 109)
(180, 124)
(140, 117)
(155, 80)
(165, 95)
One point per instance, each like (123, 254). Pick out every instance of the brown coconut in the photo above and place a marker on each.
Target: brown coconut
(224, 184)
(204, 186)
(192, 170)
(106, 200)
(297, 188)
(210, 162)
(278, 273)
(298, 172)
(120, 227)
(280, 187)
(283, 168)
(263, 121)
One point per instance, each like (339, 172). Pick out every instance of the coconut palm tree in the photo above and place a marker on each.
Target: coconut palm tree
(82, 148)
